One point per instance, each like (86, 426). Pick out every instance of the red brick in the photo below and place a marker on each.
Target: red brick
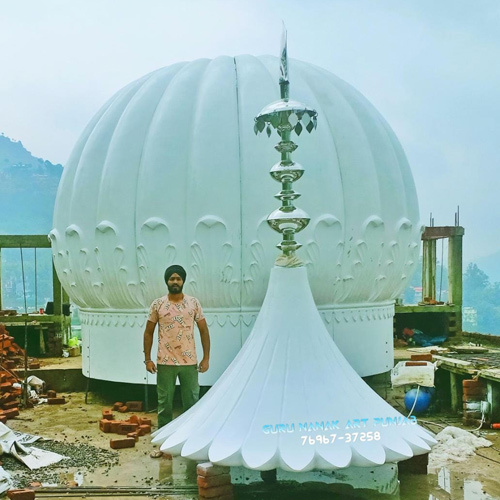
(3, 419)
(105, 425)
(56, 401)
(117, 405)
(123, 409)
(117, 444)
(21, 494)
(421, 357)
(216, 492)
(228, 496)
(134, 405)
(34, 366)
(474, 391)
(126, 427)
(8, 397)
(10, 404)
(134, 435)
(5, 386)
(107, 414)
(472, 383)
(115, 426)
(211, 481)
(144, 429)
(51, 394)
(208, 469)
(144, 421)
(13, 412)
(134, 419)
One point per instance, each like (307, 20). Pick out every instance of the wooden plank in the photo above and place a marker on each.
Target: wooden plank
(456, 391)
(491, 374)
(24, 240)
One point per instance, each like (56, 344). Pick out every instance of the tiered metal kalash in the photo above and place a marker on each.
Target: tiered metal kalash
(286, 116)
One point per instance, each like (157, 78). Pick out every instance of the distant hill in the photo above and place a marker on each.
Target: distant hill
(490, 265)
(28, 187)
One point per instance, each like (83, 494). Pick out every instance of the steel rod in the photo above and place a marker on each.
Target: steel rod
(25, 383)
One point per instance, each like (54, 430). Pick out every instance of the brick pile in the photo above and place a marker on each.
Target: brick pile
(9, 395)
(11, 354)
(133, 427)
(214, 482)
(474, 393)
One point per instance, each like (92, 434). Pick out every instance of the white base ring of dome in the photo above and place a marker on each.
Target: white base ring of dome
(112, 340)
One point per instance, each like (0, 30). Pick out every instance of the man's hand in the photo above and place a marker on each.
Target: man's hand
(203, 366)
(150, 366)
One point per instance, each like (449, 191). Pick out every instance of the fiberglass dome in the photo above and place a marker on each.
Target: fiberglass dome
(170, 171)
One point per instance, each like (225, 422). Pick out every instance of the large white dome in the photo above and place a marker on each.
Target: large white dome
(170, 171)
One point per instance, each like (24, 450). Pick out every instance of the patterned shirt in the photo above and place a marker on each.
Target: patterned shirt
(176, 329)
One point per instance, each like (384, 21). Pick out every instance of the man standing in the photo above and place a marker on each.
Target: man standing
(176, 314)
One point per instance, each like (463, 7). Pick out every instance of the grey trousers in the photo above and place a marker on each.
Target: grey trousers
(190, 390)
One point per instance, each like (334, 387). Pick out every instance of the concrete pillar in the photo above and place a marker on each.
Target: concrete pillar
(455, 269)
(57, 289)
(429, 269)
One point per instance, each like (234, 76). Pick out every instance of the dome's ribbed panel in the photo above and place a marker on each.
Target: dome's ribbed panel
(170, 171)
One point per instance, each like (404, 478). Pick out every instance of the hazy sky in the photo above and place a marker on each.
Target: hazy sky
(432, 68)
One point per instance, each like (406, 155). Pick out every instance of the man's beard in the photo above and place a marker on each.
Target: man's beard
(175, 289)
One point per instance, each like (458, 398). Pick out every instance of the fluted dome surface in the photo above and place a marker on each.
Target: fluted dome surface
(170, 171)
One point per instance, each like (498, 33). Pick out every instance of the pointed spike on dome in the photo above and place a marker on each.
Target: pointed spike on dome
(284, 56)
(284, 82)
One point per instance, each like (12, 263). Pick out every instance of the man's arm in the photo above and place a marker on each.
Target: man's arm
(148, 344)
(205, 342)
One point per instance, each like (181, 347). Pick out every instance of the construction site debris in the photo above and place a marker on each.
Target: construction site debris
(84, 457)
(469, 349)
(6, 482)
(11, 357)
(14, 444)
(455, 445)
(132, 427)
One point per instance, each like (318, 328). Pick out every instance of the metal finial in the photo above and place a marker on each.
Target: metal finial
(286, 116)
(284, 83)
